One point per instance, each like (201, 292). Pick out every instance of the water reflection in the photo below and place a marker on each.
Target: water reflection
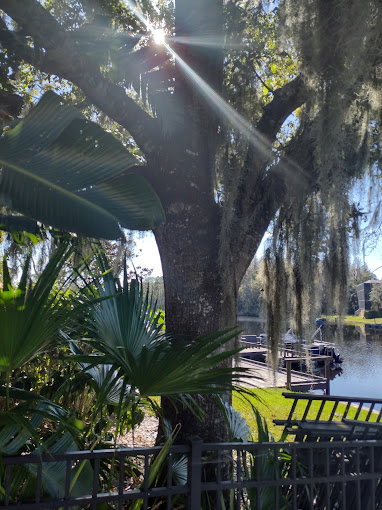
(361, 349)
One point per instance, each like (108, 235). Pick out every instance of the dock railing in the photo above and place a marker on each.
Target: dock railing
(254, 343)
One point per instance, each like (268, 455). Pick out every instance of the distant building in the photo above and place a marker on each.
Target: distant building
(363, 294)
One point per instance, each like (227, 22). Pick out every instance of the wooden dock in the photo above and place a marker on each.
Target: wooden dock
(262, 376)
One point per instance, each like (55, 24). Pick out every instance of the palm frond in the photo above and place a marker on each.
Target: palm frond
(126, 334)
(29, 321)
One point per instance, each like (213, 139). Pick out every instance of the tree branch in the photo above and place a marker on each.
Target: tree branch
(62, 56)
(285, 101)
(262, 189)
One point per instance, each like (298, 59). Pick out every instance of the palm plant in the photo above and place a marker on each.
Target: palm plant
(127, 336)
(30, 320)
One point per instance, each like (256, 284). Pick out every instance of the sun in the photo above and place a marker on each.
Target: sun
(159, 36)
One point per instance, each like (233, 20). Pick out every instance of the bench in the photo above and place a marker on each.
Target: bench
(349, 418)
(351, 421)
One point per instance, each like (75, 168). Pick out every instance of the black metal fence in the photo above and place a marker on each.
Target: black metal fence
(263, 476)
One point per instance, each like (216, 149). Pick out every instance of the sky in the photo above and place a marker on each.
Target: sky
(149, 256)
(374, 261)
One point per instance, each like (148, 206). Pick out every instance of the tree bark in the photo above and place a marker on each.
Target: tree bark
(198, 300)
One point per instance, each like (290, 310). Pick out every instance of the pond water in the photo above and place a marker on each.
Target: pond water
(361, 374)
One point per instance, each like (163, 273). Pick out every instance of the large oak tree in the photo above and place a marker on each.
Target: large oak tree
(252, 114)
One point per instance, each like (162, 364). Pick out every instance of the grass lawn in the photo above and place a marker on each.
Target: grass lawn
(353, 320)
(272, 405)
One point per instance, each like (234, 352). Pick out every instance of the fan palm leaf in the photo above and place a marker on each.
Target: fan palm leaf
(127, 335)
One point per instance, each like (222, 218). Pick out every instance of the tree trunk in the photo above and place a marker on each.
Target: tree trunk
(200, 292)
(200, 298)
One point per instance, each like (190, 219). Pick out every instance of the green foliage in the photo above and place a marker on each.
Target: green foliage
(249, 294)
(373, 314)
(30, 318)
(376, 296)
(132, 358)
(81, 174)
(127, 332)
(238, 428)
(36, 425)
(258, 61)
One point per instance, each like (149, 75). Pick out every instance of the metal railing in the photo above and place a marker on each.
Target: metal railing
(262, 476)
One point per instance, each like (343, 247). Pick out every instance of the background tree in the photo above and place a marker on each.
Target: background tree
(251, 114)
(376, 296)
(155, 286)
(248, 297)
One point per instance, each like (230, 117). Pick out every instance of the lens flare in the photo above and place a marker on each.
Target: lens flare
(222, 108)
(159, 36)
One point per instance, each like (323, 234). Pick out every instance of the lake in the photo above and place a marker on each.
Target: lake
(361, 374)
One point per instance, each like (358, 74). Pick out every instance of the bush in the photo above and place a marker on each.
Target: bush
(373, 314)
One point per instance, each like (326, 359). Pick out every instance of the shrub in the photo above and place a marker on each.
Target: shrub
(373, 314)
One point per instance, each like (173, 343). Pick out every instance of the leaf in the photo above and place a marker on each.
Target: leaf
(29, 321)
(10, 222)
(54, 473)
(62, 170)
(132, 188)
(156, 467)
(239, 429)
(128, 333)
(6, 276)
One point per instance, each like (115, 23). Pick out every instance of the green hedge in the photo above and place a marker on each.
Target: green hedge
(373, 314)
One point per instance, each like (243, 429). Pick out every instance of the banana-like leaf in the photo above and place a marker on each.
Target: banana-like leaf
(15, 433)
(54, 473)
(23, 423)
(67, 172)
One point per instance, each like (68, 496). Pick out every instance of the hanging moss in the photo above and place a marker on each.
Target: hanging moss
(338, 44)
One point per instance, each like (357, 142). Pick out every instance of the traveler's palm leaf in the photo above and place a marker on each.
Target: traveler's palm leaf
(67, 172)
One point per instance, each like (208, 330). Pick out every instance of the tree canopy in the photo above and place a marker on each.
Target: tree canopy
(376, 296)
(253, 116)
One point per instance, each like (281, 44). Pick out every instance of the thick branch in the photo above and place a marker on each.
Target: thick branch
(261, 190)
(286, 182)
(285, 101)
(63, 57)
